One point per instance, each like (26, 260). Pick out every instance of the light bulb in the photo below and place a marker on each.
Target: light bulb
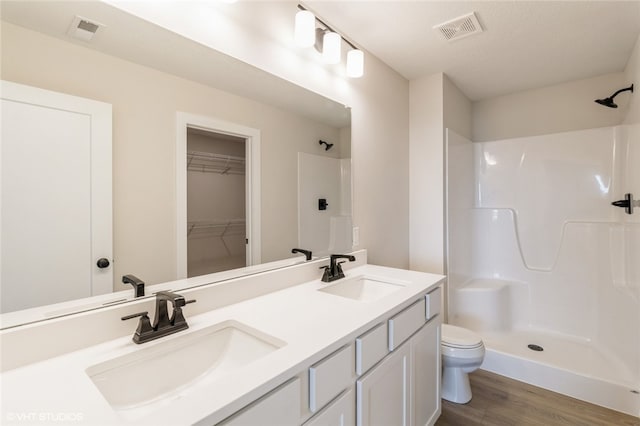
(331, 47)
(305, 29)
(355, 63)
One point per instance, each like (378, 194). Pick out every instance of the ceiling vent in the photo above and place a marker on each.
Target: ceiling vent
(460, 27)
(83, 28)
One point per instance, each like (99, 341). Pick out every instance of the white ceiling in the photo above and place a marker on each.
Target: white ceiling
(525, 45)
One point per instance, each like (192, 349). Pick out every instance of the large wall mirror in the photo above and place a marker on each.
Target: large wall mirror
(152, 77)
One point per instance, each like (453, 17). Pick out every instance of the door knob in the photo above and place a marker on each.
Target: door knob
(103, 262)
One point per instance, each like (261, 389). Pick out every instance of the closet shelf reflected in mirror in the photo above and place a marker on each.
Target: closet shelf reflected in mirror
(234, 228)
(216, 228)
(206, 162)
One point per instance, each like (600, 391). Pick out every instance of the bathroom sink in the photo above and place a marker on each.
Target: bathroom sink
(364, 288)
(169, 369)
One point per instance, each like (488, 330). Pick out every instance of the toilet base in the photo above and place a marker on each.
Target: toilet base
(455, 385)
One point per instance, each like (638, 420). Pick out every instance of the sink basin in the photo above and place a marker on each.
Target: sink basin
(364, 289)
(168, 369)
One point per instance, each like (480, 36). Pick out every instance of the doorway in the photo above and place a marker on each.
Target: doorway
(216, 208)
(218, 195)
(55, 173)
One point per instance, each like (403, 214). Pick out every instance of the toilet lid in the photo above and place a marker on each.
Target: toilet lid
(459, 337)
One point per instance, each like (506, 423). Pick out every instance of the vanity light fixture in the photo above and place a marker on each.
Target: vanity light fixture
(305, 30)
(327, 41)
(355, 63)
(331, 47)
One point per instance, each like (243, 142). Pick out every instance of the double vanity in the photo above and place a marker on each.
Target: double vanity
(275, 348)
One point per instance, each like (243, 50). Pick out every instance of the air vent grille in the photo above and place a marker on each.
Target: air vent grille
(460, 27)
(88, 26)
(84, 29)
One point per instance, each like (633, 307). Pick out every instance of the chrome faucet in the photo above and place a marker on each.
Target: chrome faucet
(163, 324)
(334, 270)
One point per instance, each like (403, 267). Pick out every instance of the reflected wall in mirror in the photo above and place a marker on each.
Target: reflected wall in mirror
(147, 79)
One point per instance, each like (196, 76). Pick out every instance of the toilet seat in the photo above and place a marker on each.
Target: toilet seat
(462, 353)
(459, 338)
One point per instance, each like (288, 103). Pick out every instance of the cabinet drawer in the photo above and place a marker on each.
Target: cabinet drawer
(280, 407)
(404, 324)
(342, 411)
(371, 347)
(433, 301)
(329, 377)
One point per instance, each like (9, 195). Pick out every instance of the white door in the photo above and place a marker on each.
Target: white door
(382, 395)
(425, 375)
(56, 197)
(340, 412)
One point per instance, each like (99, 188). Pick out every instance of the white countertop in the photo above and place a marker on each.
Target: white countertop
(312, 323)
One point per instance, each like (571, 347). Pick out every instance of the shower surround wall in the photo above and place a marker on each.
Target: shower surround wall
(328, 231)
(537, 255)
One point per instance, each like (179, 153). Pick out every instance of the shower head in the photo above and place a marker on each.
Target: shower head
(327, 145)
(608, 102)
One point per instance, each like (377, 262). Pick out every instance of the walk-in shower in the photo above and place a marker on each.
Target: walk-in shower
(543, 266)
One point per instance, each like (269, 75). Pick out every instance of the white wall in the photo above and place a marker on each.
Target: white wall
(559, 108)
(435, 104)
(380, 165)
(460, 201)
(457, 109)
(632, 76)
(426, 187)
(145, 102)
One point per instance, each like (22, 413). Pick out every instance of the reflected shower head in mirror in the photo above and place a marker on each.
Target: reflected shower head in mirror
(327, 145)
(608, 102)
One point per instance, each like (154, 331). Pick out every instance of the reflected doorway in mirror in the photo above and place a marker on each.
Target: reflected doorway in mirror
(216, 224)
(218, 195)
(56, 197)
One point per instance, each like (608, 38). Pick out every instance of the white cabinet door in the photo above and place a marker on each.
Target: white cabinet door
(382, 395)
(425, 374)
(56, 197)
(341, 412)
(280, 407)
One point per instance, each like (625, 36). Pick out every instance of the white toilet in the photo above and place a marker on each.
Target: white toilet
(462, 353)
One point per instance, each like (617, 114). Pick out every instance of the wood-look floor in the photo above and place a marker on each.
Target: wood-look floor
(498, 400)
